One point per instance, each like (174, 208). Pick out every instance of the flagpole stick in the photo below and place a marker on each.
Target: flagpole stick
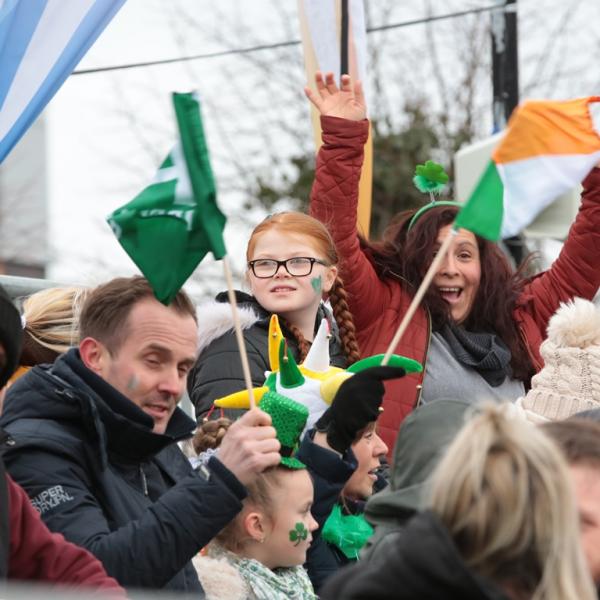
(238, 332)
(433, 269)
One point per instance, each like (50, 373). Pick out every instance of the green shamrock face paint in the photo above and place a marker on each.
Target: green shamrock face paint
(132, 383)
(317, 284)
(298, 534)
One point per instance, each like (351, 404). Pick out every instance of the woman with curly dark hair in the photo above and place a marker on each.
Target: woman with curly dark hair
(479, 328)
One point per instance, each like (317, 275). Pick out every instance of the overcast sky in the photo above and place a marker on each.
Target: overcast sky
(109, 131)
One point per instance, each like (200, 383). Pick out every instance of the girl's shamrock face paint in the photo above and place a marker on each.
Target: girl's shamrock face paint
(289, 523)
(298, 534)
(317, 284)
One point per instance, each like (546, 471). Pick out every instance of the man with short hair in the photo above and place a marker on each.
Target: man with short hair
(28, 550)
(579, 439)
(95, 441)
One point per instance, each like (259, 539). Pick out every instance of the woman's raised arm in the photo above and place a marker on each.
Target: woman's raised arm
(334, 196)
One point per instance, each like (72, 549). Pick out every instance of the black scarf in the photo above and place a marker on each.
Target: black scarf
(484, 352)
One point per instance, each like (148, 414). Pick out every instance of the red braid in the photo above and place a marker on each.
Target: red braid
(343, 318)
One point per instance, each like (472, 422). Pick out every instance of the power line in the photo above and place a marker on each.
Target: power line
(260, 47)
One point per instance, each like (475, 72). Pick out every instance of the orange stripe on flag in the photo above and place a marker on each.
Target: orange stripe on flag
(549, 128)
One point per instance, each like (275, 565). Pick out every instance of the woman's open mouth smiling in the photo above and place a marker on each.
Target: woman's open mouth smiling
(450, 294)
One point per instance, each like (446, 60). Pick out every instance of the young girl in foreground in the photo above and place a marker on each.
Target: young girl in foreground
(259, 555)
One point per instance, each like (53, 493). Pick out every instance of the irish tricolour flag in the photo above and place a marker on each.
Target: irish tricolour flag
(548, 148)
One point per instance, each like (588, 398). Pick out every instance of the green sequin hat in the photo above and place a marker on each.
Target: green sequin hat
(289, 418)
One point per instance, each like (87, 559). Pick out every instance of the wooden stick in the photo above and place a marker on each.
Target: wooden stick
(239, 336)
(433, 269)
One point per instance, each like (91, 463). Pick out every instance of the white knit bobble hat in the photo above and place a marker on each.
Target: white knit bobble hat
(570, 380)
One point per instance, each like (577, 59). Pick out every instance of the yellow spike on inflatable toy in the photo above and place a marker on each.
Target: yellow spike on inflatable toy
(240, 399)
(329, 387)
(275, 337)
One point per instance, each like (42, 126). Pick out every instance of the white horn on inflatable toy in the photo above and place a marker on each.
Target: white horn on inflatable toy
(317, 358)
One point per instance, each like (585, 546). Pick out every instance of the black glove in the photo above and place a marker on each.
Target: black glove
(355, 405)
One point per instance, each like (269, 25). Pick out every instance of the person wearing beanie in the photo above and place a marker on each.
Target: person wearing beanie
(11, 337)
(569, 382)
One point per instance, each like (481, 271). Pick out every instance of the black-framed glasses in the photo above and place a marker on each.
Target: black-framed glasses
(298, 266)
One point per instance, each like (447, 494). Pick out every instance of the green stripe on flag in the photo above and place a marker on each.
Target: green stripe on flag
(482, 213)
(208, 218)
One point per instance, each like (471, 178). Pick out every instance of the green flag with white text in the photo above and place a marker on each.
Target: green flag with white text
(172, 224)
(482, 213)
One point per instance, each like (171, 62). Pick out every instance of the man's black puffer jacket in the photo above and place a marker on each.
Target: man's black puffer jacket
(88, 459)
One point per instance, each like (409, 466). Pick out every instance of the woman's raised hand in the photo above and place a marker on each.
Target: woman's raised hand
(346, 102)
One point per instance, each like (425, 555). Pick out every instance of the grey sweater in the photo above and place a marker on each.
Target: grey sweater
(445, 377)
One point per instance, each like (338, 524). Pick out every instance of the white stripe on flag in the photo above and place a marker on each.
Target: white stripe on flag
(166, 174)
(594, 108)
(531, 184)
(59, 21)
(183, 188)
(49, 43)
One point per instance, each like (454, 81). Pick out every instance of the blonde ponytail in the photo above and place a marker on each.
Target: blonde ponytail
(503, 492)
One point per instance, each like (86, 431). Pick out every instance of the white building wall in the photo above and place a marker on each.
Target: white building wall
(23, 205)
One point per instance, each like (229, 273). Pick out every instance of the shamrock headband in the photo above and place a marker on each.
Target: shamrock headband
(431, 179)
(429, 206)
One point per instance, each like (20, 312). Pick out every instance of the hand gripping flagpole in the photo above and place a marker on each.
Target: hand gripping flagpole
(433, 269)
(239, 336)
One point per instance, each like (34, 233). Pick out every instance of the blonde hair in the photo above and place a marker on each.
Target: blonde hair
(297, 223)
(233, 536)
(503, 492)
(51, 323)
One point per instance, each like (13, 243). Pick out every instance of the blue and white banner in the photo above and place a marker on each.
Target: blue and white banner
(41, 42)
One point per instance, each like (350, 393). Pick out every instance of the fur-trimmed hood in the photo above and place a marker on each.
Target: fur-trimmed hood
(217, 371)
(215, 317)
